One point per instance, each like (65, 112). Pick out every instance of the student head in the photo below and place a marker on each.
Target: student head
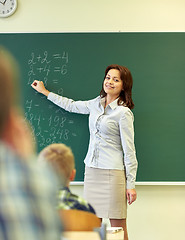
(126, 78)
(6, 90)
(61, 159)
(13, 129)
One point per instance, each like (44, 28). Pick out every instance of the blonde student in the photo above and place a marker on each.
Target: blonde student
(61, 159)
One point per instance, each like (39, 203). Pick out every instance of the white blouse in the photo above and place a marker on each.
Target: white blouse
(111, 144)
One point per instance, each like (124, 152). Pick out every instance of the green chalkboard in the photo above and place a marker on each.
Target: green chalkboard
(73, 64)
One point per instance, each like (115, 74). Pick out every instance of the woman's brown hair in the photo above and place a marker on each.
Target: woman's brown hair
(125, 97)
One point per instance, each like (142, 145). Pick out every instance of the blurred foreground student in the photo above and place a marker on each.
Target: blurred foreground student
(61, 159)
(26, 194)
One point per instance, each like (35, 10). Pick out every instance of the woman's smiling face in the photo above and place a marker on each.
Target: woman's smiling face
(113, 85)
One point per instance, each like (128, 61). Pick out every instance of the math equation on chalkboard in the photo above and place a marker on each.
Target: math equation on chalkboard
(50, 124)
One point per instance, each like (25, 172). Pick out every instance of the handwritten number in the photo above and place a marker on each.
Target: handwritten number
(40, 66)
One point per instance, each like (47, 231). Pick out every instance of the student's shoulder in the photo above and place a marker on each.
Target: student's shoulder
(82, 204)
(79, 199)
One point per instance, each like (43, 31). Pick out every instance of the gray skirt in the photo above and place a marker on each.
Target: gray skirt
(105, 190)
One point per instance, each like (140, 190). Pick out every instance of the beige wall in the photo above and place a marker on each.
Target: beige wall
(96, 15)
(159, 212)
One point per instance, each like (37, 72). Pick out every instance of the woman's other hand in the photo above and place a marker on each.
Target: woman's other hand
(131, 195)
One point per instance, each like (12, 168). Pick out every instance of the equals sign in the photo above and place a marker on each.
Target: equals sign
(45, 130)
(55, 81)
(57, 69)
(71, 121)
(57, 55)
(36, 105)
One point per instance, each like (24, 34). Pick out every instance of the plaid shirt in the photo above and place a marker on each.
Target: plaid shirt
(68, 200)
(27, 200)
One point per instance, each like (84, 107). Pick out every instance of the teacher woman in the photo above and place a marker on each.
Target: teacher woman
(110, 163)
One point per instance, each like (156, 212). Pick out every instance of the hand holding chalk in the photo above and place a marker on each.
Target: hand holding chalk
(39, 87)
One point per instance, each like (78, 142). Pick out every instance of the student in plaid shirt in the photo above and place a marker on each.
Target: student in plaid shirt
(61, 158)
(27, 195)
